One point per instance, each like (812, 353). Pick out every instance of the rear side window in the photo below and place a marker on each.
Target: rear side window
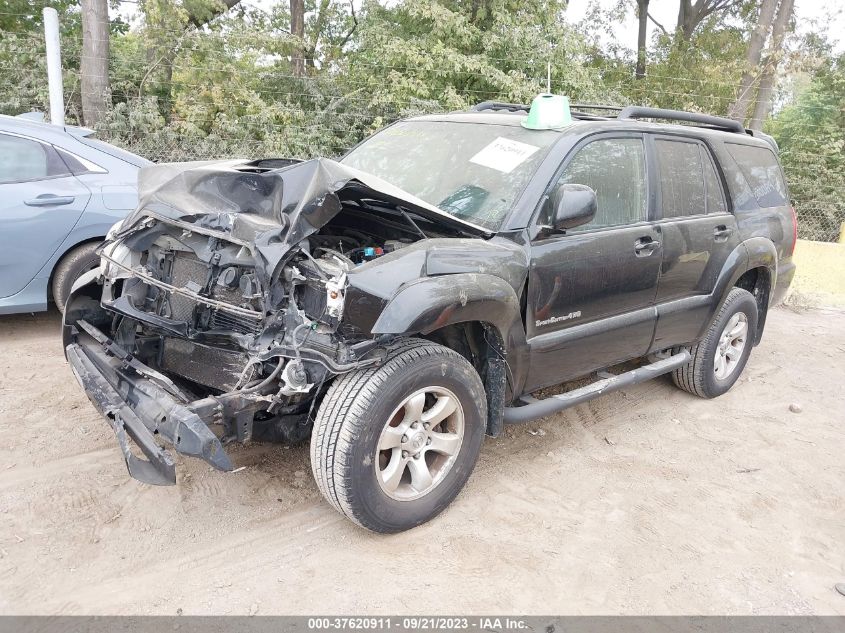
(682, 188)
(23, 160)
(715, 197)
(615, 169)
(762, 172)
(78, 165)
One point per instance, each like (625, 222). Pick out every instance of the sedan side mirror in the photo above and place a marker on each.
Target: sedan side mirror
(574, 205)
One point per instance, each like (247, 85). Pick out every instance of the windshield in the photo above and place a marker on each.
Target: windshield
(472, 171)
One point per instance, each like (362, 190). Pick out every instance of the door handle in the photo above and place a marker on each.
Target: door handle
(645, 246)
(49, 200)
(722, 233)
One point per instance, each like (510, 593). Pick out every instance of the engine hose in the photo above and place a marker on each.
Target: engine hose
(267, 380)
(339, 255)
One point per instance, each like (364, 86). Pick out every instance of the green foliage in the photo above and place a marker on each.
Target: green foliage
(811, 135)
(699, 75)
(423, 54)
(23, 64)
(192, 80)
(228, 89)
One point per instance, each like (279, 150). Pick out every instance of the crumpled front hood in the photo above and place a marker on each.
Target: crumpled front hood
(269, 207)
(299, 197)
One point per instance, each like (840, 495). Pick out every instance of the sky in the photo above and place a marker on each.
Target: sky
(811, 15)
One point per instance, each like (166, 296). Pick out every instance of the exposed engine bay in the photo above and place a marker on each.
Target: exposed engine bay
(237, 318)
(181, 286)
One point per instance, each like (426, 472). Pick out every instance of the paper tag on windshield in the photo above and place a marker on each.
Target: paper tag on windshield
(504, 155)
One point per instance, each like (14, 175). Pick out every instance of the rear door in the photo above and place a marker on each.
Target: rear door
(591, 291)
(40, 202)
(699, 234)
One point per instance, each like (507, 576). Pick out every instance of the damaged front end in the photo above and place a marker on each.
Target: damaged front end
(224, 305)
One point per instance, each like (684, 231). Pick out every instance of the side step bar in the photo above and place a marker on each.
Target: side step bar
(541, 408)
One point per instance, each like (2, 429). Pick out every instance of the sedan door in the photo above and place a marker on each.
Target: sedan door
(40, 202)
(591, 290)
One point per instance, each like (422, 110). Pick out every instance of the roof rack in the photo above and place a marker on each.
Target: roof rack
(626, 113)
(596, 106)
(640, 112)
(500, 106)
(519, 108)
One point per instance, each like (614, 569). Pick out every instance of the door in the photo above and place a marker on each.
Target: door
(40, 202)
(591, 291)
(699, 234)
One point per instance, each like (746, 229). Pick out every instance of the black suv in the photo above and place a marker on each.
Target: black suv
(405, 301)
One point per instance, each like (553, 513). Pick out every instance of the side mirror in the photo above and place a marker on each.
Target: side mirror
(574, 205)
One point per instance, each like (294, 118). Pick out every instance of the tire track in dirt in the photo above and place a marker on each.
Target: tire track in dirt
(636, 501)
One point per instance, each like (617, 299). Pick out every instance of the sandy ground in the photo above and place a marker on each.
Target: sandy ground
(649, 501)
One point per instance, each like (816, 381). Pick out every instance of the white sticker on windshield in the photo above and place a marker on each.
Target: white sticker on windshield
(503, 155)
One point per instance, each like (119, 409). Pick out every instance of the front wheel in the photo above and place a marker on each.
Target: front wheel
(392, 446)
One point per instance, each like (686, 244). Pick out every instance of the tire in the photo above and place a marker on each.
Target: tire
(71, 267)
(375, 407)
(705, 376)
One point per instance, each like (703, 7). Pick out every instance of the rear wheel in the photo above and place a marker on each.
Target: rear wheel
(71, 267)
(719, 358)
(392, 446)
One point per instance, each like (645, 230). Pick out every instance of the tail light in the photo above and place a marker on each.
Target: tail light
(794, 230)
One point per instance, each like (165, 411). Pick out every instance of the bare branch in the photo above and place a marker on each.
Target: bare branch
(345, 40)
(657, 24)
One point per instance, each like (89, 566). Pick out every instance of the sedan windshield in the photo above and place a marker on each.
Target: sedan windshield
(472, 171)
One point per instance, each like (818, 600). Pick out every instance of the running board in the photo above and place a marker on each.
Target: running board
(541, 408)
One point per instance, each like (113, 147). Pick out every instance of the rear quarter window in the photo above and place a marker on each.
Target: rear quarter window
(762, 172)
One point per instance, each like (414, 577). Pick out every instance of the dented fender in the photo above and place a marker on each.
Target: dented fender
(432, 303)
(435, 302)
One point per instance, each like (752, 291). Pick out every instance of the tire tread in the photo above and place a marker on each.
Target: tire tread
(340, 419)
(690, 377)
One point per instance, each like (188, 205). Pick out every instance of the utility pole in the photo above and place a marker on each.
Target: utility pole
(54, 66)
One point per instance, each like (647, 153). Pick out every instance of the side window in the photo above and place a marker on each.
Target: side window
(762, 172)
(715, 197)
(78, 165)
(23, 159)
(615, 169)
(681, 178)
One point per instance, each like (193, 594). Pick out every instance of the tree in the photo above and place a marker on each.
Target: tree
(811, 134)
(94, 64)
(763, 104)
(642, 17)
(691, 14)
(167, 24)
(297, 29)
(739, 108)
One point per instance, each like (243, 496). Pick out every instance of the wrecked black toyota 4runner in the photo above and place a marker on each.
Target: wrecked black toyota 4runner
(400, 304)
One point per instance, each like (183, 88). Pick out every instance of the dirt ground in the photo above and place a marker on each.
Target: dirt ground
(648, 501)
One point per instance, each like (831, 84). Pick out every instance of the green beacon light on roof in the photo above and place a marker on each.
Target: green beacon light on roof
(548, 112)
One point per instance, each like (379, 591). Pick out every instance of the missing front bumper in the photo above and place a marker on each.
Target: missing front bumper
(140, 406)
